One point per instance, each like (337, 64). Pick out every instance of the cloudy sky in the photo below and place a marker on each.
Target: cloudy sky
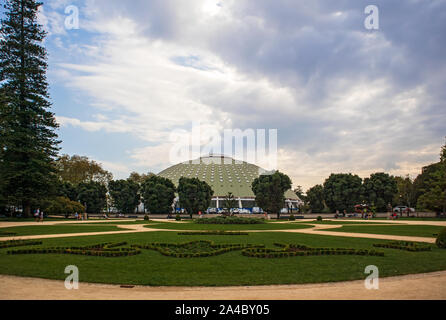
(343, 98)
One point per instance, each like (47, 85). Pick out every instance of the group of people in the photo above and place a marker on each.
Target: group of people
(78, 216)
(38, 215)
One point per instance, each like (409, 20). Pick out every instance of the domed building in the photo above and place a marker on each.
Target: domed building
(224, 175)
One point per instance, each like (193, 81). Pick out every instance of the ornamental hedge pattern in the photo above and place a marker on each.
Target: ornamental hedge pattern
(404, 245)
(230, 220)
(7, 234)
(195, 249)
(18, 243)
(213, 233)
(293, 250)
(98, 250)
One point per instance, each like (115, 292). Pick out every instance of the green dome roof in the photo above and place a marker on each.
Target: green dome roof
(223, 174)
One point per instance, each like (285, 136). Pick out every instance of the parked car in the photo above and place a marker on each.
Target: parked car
(403, 209)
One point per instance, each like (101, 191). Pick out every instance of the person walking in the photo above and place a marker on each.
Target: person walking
(41, 216)
(37, 214)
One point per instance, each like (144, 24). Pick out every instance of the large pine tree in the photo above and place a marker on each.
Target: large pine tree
(28, 142)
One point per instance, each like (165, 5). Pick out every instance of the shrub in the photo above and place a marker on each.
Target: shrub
(404, 245)
(319, 218)
(178, 217)
(146, 217)
(19, 243)
(230, 220)
(292, 217)
(62, 205)
(441, 239)
(213, 233)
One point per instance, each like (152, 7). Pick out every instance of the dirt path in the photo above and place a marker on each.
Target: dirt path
(317, 229)
(7, 224)
(411, 287)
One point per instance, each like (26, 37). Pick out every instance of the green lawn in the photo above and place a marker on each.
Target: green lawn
(399, 230)
(341, 222)
(414, 219)
(55, 229)
(152, 268)
(196, 226)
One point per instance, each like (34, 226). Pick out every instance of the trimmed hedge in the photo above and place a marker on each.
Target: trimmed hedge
(168, 249)
(18, 243)
(404, 245)
(230, 220)
(98, 250)
(213, 233)
(293, 250)
(7, 234)
(441, 239)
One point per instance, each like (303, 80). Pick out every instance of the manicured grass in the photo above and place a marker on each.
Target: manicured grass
(55, 229)
(197, 226)
(152, 268)
(399, 230)
(414, 219)
(341, 222)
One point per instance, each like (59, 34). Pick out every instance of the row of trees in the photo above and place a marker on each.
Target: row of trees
(343, 191)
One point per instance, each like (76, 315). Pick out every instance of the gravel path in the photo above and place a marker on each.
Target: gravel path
(429, 286)
(317, 229)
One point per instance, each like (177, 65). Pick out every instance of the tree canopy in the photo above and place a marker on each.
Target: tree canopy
(93, 195)
(432, 185)
(270, 191)
(28, 142)
(315, 198)
(124, 194)
(158, 194)
(406, 195)
(342, 191)
(77, 169)
(195, 195)
(379, 190)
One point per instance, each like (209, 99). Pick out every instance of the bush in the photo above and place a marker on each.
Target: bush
(230, 220)
(441, 239)
(146, 217)
(213, 233)
(319, 218)
(62, 205)
(178, 217)
(404, 245)
(292, 217)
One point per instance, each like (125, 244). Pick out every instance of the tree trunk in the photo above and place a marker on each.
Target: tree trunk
(26, 210)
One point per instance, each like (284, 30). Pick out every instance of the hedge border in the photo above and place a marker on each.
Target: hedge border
(286, 252)
(163, 248)
(18, 243)
(213, 233)
(404, 245)
(99, 250)
(230, 220)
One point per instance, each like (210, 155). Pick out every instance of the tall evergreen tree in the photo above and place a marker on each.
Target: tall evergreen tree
(28, 143)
